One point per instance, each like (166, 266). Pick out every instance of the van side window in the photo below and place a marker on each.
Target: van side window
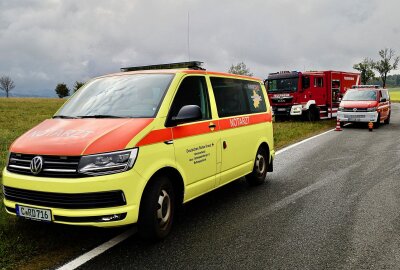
(192, 91)
(236, 97)
(318, 82)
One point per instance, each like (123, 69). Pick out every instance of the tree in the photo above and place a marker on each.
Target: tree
(6, 84)
(240, 69)
(385, 65)
(62, 90)
(366, 70)
(77, 85)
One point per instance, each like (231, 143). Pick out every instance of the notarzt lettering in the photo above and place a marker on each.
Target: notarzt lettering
(240, 121)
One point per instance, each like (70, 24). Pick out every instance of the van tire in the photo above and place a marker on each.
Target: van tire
(261, 163)
(378, 121)
(387, 120)
(157, 209)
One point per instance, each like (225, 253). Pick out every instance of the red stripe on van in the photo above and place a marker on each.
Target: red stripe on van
(162, 135)
(156, 136)
(194, 129)
(246, 120)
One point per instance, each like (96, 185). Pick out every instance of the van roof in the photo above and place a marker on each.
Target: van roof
(367, 87)
(184, 70)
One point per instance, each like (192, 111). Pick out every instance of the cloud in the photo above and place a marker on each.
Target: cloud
(47, 42)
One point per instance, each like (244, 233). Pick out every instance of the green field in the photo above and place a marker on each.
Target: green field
(395, 94)
(49, 244)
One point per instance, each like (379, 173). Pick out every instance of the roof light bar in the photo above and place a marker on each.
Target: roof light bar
(190, 64)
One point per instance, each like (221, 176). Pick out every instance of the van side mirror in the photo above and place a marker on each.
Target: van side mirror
(187, 113)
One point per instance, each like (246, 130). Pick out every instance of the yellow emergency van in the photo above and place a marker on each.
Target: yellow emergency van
(129, 147)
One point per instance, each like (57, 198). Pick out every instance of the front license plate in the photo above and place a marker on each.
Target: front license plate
(355, 116)
(33, 213)
(281, 109)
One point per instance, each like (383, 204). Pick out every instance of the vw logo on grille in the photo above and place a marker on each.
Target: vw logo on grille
(36, 165)
(355, 109)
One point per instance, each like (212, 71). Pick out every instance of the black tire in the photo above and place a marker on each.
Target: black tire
(378, 122)
(312, 114)
(157, 209)
(261, 163)
(387, 120)
(341, 124)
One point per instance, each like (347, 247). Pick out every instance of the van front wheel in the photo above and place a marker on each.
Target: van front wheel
(157, 209)
(257, 176)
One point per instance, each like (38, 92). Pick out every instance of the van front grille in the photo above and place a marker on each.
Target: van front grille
(53, 166)
(354, 109)
(66, 200)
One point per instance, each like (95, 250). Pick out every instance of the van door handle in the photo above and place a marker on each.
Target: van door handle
(212, 125)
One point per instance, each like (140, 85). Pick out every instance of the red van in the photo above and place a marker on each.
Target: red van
(365, 103)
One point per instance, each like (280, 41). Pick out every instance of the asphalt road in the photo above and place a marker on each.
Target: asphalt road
(331, 203)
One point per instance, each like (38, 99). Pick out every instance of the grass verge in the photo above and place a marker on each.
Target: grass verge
(394, 94)
(34, 245)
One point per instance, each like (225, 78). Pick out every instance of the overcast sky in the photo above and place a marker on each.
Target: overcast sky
(46, 42)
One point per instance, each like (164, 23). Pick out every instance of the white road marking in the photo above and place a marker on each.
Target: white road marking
(125, 235)
(98, 250)
(301, 142)
(290, 199)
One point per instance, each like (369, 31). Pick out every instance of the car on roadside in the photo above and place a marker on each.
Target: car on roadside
(128, 148)
(365, 103)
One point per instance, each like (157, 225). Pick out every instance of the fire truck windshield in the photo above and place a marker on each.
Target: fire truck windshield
(361, 95)
(282, 85)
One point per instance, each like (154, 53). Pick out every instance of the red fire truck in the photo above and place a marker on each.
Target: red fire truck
(312, 94)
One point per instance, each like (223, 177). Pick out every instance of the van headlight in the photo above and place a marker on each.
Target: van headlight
(108, 163)
(371, 109)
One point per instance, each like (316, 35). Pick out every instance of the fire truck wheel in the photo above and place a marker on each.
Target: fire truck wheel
(378, 122)
(157, 209)
(257, 176)
(387, 121)
(312, 114)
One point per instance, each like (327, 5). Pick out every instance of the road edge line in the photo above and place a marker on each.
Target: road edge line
(301, 142)
(82, 259)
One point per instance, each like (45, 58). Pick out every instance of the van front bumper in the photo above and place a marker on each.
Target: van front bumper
(357, 116)
(102, 201)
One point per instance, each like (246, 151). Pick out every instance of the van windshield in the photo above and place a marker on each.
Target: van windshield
(361, 95)
(126, 96)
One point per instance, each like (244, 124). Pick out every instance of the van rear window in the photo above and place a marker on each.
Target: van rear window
(237, 97)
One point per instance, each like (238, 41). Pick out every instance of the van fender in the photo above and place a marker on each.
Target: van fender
(153, 170)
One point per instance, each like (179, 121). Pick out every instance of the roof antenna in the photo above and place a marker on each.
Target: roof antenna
(188, 35)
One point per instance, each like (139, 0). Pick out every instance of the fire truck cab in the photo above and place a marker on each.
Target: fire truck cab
(312, 94)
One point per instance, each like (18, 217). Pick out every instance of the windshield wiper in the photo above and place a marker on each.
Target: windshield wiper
(100, 116)
(65, 117)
